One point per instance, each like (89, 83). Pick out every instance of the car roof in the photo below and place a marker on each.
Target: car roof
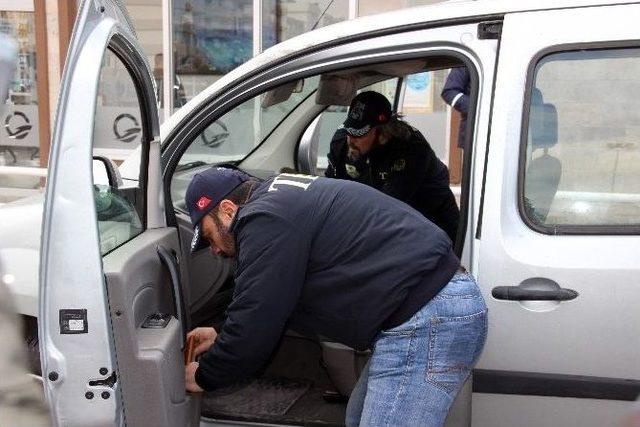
(369, 25)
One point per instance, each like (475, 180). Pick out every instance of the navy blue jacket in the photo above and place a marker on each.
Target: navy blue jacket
(457, 88)
(326, 257)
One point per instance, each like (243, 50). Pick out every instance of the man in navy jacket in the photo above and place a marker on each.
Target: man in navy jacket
(342, 260)
(456, 93)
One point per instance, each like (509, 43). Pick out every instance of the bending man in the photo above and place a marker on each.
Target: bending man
(330, 257)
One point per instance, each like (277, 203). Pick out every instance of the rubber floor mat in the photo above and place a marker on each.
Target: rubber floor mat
(262, 396)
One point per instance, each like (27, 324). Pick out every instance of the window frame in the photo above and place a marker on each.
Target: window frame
(562, 230)
(121, 49)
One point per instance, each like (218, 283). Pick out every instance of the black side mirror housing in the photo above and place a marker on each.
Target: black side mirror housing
(104, 167)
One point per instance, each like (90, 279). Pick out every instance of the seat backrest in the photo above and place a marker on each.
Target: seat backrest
(543, 122)
(544, 172)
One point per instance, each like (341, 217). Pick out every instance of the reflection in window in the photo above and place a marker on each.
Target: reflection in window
(582, 164)
(19, 139)
(210, 38)
(283, 19)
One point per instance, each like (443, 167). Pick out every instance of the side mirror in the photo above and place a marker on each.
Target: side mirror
(105, 172)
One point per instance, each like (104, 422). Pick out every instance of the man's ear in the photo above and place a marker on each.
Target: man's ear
(228, 208)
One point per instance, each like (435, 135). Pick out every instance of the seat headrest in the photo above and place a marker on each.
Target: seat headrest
(543, 122)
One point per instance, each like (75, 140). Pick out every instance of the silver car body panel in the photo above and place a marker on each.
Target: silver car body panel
(596, 335)
(20, 251)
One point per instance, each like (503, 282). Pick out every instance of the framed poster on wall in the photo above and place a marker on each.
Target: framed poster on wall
(419, 93)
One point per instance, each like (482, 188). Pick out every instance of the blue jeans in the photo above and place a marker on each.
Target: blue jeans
(417, 369)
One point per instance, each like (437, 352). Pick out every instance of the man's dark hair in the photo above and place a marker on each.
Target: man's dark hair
(238, 195)
(395, 128)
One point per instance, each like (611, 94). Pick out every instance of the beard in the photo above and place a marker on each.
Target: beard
(228, 242)
(353, 154)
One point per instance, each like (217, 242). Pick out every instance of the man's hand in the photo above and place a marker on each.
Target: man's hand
(190, 378)
(205, 337)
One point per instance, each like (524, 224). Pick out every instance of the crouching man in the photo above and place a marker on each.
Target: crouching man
(339, 259)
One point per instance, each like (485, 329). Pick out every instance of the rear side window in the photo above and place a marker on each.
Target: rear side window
(580, 161)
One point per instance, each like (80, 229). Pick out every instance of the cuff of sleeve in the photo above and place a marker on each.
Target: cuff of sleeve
(456, 99)
(200, 380)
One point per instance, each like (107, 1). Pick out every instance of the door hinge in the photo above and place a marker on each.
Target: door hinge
(489, 30)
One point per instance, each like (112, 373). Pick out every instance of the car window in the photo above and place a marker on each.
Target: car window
(117, 133)
(332, 118)
(581, 162)
(234, 135)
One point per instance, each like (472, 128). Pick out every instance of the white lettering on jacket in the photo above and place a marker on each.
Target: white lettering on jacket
(292, 180)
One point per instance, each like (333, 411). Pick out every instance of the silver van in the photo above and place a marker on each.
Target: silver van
(549, 200)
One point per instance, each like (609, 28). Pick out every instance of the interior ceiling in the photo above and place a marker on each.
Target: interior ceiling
(398, 69)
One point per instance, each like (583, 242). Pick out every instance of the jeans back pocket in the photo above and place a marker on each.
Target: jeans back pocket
(455, 344)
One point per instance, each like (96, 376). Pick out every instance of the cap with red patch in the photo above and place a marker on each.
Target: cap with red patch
(202, 203)
(205, 191)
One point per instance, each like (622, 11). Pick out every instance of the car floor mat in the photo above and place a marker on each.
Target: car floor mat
(258, 397)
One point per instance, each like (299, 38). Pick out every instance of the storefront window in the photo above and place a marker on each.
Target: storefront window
(19, 143)
(147, 20)
(210, 38)
(283, 19)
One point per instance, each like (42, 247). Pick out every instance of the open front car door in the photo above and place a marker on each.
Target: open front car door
(112, 322)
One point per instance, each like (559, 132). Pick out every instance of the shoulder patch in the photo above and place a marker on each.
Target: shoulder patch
(399, 165)
(352, 171)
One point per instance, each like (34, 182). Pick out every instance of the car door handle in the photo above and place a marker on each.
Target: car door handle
(534, 289)
(170, 262)
(516, 293)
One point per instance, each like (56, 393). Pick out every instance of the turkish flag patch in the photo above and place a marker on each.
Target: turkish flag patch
(203, 202)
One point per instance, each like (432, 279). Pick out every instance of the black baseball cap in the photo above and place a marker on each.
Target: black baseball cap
(367, 109)
(205, 191)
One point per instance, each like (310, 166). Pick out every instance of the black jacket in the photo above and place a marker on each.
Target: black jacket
(325, 257)
(407, 170)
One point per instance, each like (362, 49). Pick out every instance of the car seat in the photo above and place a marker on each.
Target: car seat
(543, 173)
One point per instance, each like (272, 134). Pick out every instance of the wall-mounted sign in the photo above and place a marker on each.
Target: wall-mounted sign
(19, 126)
(126, 128)
(419, 93)
(117, 132)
